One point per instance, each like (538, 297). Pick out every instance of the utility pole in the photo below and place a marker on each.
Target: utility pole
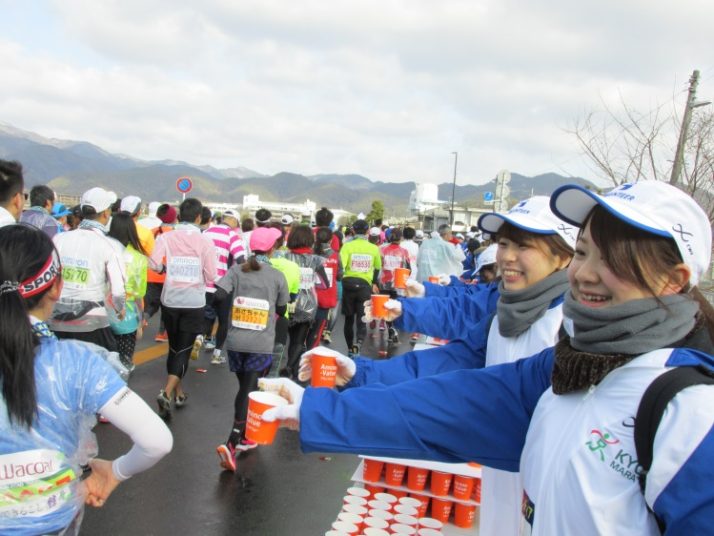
(683, 131)
(453, 190)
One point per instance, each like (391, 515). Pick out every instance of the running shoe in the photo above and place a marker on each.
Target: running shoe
(164, 405)
(354, 350)
(180, 400)
(245, 444)
(161, 336)
(197, 344)
(227, 455)
(218, 358)
(327, 336)
(210, 344)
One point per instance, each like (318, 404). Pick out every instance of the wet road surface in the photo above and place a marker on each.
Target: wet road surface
(276, 490)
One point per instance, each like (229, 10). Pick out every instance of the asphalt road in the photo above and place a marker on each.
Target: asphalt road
(276, 490)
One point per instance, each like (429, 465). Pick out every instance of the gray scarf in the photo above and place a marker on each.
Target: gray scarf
(519, 309)
(634, 327)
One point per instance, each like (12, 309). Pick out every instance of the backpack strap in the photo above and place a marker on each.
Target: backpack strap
(651, 409)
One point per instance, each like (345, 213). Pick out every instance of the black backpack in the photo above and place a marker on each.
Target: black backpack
(651, 409)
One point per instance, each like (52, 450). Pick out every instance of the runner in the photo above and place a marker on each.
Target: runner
(91, 263)
(312, 276)
(131, 204)
(42, 199)
(566, 416)
(51, 391)
(393, 256)
(361, 262)
(413, 248)
(11, 197)
(155, 281)
(128, 329)
(257, 293)
(229, 250)
(189, 260)
(326, 297)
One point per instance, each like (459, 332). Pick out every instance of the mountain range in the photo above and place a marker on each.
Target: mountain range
(71, 167)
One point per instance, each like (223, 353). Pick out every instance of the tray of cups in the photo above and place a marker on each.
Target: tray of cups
(446, 496)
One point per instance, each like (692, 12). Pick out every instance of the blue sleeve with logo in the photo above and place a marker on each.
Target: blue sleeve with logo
(469, 415)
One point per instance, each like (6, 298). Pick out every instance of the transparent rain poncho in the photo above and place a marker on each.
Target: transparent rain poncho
(40, 467)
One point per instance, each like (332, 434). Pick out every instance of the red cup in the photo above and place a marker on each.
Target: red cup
(400, 277)
(434, 279)
(324, 370)
(441, 509)
(406, 519)
(398, 493)
(352, 499)
(372, 470)
(416, 478)
(440, 483)
(423, 503)
(463, 487)
(355, 519)
(378, 301)
(399, 529)
(406, 510)
(381, 514)
(355, 509)
(358, 492)
(256, 429)
(464, 515)
(476, 493)
(430, 523)
(394, 474)
(371, 531)
(376, 523)
(429, 532)
(347, 528)
(373, 490)
(388, 498)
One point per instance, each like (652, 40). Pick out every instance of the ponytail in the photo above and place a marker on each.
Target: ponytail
(25, 254)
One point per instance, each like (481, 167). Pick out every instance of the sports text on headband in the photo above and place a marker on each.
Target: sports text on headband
(43, 279)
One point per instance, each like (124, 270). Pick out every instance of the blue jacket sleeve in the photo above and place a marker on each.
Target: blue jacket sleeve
(470, 415)
(456, 355)
(448, 318)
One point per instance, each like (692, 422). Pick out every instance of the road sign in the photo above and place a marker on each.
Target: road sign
(488, 196)
(184, 185)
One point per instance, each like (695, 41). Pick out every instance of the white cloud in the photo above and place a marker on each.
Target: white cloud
(387, 89)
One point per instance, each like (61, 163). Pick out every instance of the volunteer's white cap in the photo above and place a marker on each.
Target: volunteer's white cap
(153, 207)
(419, 233)
(533, 215)
(653, 206)
(487, 256)
(130, 204)
(230, 214)
(287, 219)
(435, 234)
(98, 198)
(375, 231)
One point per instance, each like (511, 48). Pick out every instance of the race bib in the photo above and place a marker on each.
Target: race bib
(359, 262)
(391, 262)
(34, 483)
(250, 313)
(307, 278)
(75, 272)
(184, 270)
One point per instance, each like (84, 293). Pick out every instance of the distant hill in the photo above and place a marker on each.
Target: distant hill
(71, 167)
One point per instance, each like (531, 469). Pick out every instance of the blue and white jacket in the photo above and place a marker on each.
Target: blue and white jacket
(575, 451)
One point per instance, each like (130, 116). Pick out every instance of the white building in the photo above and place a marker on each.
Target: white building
(425, 197)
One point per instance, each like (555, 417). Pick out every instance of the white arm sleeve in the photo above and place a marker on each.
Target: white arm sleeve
(152, 439)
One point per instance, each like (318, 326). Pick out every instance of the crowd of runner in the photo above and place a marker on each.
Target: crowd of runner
(558, 315)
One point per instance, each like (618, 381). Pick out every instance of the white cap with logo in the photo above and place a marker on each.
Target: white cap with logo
(653, 206)
(533, 215)
(486, 257)
(98, 198)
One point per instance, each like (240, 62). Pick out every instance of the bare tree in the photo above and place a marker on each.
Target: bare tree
(625, 145)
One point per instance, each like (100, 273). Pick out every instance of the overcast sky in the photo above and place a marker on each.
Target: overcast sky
(384, 88)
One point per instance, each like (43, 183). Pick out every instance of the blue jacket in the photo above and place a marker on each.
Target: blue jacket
(451, 313)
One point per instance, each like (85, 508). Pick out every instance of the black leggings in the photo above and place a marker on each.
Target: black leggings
(182, 328)
(247, 382)
(298, 334)
(126, 345)
(319, 325)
